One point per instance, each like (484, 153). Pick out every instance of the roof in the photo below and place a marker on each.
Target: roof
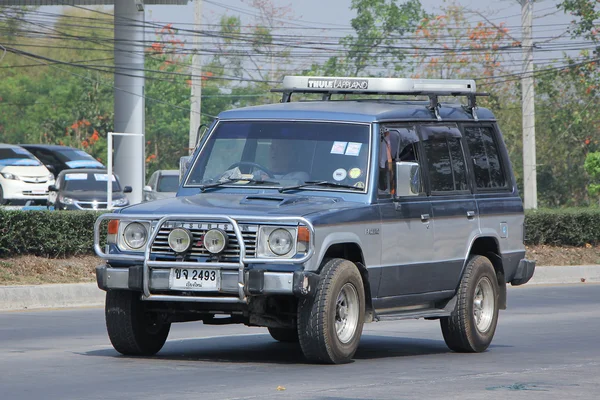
(7, 146)
(366, 111)
(47, 146)
(169, 172)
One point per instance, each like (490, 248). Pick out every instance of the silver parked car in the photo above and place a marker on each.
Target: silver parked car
(162, 185)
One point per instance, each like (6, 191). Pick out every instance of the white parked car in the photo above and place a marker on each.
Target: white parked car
(22, 176)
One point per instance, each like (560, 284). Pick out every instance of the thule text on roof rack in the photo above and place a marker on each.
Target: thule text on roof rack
(382, 86)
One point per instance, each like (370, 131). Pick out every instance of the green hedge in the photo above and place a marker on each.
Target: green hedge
(46, 233)
(68, 233)
(563, 227)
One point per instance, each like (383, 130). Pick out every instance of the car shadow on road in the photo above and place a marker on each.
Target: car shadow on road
(261, 348)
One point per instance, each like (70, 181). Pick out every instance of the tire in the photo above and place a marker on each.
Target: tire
(284, 335)
(132, 330)
(471, 326)
(330, 323)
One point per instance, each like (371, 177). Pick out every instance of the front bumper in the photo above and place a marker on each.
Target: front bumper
(525, 271)
(20, 190)
(257, 282)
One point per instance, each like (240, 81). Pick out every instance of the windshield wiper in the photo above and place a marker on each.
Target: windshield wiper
(318, 183)
(258, 181)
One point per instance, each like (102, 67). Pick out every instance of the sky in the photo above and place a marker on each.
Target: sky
(336, 15)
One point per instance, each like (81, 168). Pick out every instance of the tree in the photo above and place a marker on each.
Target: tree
(592, 167)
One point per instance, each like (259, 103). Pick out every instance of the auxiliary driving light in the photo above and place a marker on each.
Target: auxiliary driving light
(215, 241)
(180, 240)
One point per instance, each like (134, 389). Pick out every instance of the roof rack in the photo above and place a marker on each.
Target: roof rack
(433, 88)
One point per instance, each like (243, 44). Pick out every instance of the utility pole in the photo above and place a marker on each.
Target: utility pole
(527, 86)
(196, 71)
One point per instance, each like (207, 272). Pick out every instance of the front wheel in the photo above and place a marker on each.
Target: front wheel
(330, 324)
(2, 199)
(131, 328)
(471, 326)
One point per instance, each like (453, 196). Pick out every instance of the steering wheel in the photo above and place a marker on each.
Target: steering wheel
(252, 164)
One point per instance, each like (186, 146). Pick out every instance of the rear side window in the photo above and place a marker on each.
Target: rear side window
(487, 164)
(445, 159)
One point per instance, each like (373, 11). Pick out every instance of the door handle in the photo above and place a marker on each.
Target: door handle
(470, 214)
(424, 217)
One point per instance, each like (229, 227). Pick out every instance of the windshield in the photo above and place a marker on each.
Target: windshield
(16, 156)
(288, 153)
(88, 182)
(168, 183)
(77, 159)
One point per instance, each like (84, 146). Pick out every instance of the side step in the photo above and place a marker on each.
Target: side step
(426, 311)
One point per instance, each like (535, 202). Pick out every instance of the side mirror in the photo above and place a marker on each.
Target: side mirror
(184, 164)
(52, 188)
(127, 189)
(147, 188)
(408, 179)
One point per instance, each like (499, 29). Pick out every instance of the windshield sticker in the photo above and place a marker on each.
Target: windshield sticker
(353, 149)
(338, 147)
(75, 177)
(84, 164)
(103, 177)
(354, 173)
(339, 174)
(360, 185)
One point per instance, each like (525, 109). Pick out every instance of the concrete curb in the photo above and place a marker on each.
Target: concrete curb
(50, 296)
(566, 275)
(87, 294)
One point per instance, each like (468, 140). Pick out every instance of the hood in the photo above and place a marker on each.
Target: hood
(26, 171)
(242, 204)
(99, 196)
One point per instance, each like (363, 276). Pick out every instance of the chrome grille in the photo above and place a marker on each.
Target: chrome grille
(160, 246)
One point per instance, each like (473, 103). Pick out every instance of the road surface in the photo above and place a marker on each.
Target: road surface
(546, 347)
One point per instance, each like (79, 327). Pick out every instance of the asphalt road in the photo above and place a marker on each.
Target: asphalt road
(546, 347)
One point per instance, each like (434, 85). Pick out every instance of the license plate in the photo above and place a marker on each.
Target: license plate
(195, 279)
(38, 192)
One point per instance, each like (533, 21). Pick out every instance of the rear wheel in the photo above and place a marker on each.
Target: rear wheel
(284, 335)
(330, 324)
(131, 328)
(471, 327)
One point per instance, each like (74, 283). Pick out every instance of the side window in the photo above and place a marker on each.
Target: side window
(487, 165)
(445, 158)
(397, 144)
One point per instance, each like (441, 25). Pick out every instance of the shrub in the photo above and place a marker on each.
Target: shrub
(46, 233)
(563, 227)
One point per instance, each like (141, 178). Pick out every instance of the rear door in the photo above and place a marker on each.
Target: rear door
(454, 209)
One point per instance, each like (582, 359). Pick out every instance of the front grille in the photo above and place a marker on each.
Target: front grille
(160, 246)
(34, 179)
(91, 205)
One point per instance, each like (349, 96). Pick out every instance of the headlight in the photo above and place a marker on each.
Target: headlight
(8, 175)
(135, 235)
(180, 240)
(120, 202)
(281, 241)
(66, 200)
(215, 241)
(276, 241)
(50, 177)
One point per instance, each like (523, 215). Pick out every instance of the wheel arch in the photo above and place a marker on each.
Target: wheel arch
(489, 247)
(351, 251)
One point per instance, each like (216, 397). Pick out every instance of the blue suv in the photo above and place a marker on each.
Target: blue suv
(312, 218)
